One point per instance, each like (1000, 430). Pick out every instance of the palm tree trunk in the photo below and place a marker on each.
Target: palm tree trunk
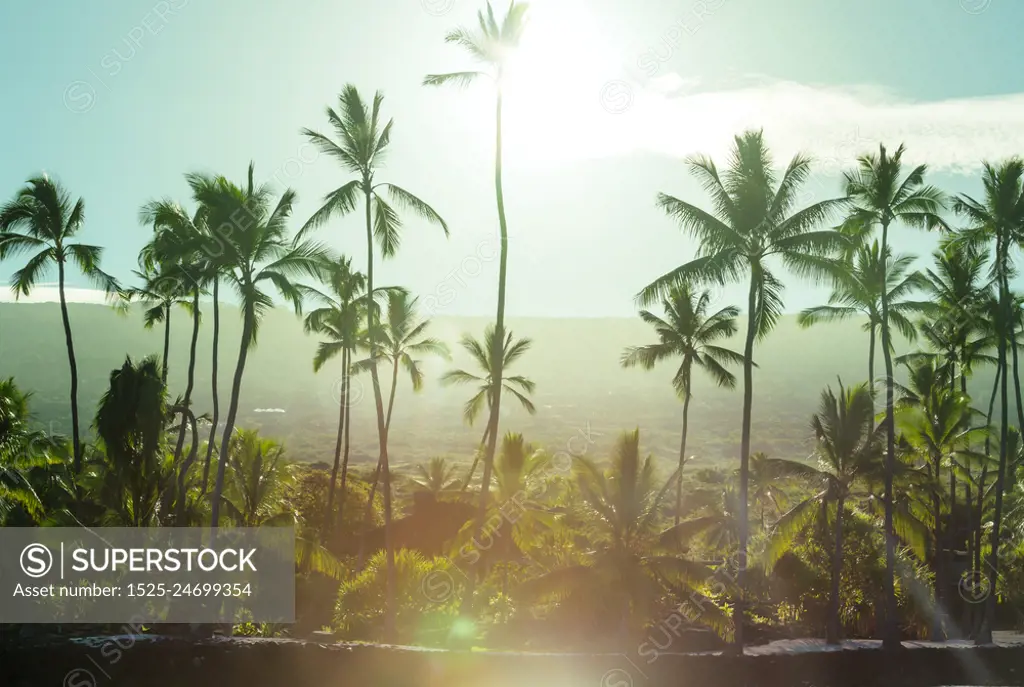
(496, 354)
(190, 380)
(1016, 376)
(167, 342)
(682, 452)
(213, 377)
(367, 517)
(476, 458)
(832, 633)
(890, 631)
(329, 518)
(76, 442)
(348, 436)
(985, 636)
(871, 362)
(937, 559)
(229, 425)
(382, 432)
(186, 405)
(391, 399)
(739, 610)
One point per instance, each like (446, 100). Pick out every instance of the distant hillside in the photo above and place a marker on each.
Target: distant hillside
(575, 363)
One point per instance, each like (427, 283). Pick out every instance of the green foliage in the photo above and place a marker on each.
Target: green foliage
(426, 607)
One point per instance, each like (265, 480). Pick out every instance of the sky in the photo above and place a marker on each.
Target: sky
(119, 100)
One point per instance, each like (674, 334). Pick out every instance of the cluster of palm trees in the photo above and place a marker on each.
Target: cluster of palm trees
(237, 235)
(964, 314)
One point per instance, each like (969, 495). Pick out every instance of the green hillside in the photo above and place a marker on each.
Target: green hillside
(574, 363)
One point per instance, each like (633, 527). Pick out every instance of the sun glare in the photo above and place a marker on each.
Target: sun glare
(553, 83)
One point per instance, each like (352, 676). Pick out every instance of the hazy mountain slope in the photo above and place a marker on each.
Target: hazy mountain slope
(575, 363)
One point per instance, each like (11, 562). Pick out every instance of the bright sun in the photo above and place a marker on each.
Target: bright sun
(553, 85)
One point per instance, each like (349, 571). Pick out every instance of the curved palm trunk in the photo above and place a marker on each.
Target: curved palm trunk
(329, 519)
(167, 342)
(476, 458)
(682, 454)
(190, 380)
(181, 501)
(497, 356)
(832, 633)
(75, 439)
(229, 425)
(382, 432)
(739, 610)
(186, 411)
(213, 383)
(391, 398)
(890, 629)
(985, 635)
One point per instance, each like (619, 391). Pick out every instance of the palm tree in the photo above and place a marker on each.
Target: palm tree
(1000, 217)
(879, 197)
(437, 477)
(933, 422)
(259, 475)
(180, 244)
(360, 149)
(688, 332)
(491, 47)
(629, 566)
(158, 294)
(338, 321)
(254, 234)
(755, 223)
(849, 447)
(42, 218)
(130, 423)
(858, 292)
(517, 386)
(955, 288)
(399, 338)
(765, 488)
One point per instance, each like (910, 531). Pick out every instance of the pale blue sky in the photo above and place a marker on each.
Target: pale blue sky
(120, 99)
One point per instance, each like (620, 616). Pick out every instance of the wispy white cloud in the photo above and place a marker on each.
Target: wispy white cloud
(47, 293)
(675, 116)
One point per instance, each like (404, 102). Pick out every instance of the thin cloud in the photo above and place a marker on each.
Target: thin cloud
(669, 116)
(48, 293)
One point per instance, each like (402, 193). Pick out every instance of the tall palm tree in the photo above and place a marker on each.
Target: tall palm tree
(360, 148)
(180, 243)
(688, 332)
(254, 233)
(849, 447)
(880, 196)
(490, 46)
(754, 224)
(999, 218)
(858, 292)
(338, 320)
(483, 355)
(42, 219)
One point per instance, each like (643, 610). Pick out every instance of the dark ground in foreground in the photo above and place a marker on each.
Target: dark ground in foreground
(159, 661)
